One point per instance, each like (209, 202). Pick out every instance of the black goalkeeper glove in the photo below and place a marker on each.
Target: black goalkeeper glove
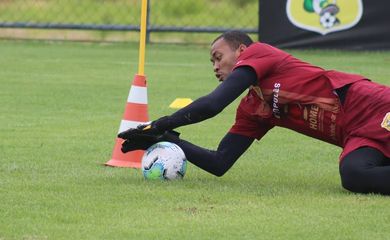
(146, 135)
(156, 127)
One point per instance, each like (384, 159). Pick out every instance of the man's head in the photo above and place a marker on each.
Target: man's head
(225, 50)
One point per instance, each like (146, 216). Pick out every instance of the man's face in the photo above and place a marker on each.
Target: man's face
(223, 58)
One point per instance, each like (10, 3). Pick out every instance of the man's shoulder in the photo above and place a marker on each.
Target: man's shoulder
(259, 49)
(261, 45)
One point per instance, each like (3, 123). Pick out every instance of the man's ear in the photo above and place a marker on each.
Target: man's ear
(242, 47)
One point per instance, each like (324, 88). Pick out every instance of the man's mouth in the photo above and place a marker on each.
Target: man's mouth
(218, 75)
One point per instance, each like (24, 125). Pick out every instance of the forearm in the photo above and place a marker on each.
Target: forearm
(220, 161)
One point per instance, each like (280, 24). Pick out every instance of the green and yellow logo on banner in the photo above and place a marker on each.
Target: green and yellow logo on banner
(324, 16)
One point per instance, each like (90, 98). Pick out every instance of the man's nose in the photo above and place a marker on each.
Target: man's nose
(216, 67)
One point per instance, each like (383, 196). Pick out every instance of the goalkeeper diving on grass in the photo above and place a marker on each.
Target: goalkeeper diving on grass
(343, 109)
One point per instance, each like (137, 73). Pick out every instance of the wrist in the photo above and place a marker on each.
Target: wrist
(163, 124)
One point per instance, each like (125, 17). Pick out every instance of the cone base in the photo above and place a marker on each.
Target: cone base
(131, 159)
(121, 163)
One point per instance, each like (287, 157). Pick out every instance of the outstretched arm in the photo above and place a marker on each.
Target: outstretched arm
(218, 162)
(231, 146)
(210, 105)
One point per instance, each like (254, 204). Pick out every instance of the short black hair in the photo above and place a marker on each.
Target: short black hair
(235, 38)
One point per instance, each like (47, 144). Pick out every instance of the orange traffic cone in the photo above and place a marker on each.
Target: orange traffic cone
(136, 113)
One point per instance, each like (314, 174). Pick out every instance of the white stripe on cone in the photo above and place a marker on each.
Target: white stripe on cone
(125, 124)
(138, 95)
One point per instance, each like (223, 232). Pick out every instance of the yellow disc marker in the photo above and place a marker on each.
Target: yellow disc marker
(180, 102)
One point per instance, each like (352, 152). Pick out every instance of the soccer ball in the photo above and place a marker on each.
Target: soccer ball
(165, 161)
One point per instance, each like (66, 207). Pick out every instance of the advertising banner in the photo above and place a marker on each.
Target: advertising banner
(332, 24)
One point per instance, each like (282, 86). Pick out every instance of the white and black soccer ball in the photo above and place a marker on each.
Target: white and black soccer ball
(165, 161)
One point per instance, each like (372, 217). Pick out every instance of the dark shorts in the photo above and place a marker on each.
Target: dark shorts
(366, 119)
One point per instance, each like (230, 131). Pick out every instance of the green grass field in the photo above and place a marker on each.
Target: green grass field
(61, 105)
